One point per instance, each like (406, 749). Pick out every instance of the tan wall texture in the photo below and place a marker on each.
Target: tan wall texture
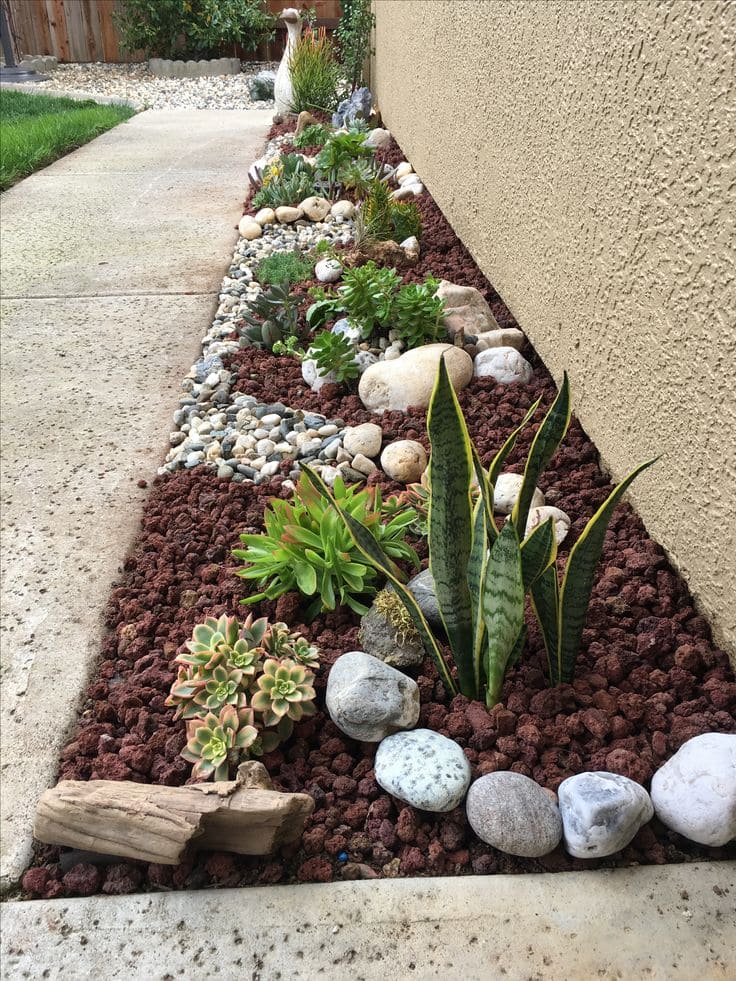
(585, 152)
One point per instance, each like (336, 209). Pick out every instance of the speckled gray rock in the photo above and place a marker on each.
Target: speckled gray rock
(694, 793)
(368, 699)
(422, 588)
(601, 813)
(514, 814)
(382, 638)
(424, 769)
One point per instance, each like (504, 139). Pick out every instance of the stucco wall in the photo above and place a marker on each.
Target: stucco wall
(585, 152)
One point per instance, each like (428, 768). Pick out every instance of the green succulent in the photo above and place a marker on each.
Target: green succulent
(406, 219)
(286, 182)
(272, 316)
(357, 175)
(215, 741)
(334, 353)
(306, 547)
(313, 135)
(280, 642)
(376, 212)
(284, 689)
(224, 686)
(418, 316)
(367, 296)
(340, 150)
(283, 268)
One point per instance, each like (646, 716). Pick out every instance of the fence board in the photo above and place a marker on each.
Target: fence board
(83, 30)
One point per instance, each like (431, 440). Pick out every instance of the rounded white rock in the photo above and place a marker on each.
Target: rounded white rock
(538, 515)
(249, 228)
(506, 493)
(601, 813)
(364, 439)
(316, 209)
(266, 216)
(404, 460)
(328, 270)
(504, 364)
(343, 209)
(287, 215)
(367, 699)
(403, 169)
(424, 769)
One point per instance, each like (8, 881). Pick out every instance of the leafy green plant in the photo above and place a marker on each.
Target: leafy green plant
(289, 348)
(340, 150)
(354, 37)
(418, 315)
(367, 296)
(313, 135)
(283, 267)
(218, 690)
(191, 28)
(307, 547)
(273, 317)
(406, 219)
(334, 353)
(286, 182)
(481, 574)
(357, 175)
(284, 691)
(315, 73)
(376, 212)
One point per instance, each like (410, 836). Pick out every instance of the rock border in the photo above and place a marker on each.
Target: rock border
(166, 68)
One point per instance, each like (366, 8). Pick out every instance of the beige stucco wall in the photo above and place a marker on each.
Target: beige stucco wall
(585, 152)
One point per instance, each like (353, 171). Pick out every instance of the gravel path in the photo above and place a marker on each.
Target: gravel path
(146, 91)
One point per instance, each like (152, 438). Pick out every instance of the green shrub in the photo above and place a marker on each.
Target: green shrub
(306, 547)
(386, 219)
(354, 38)
(334, 353)
(312, 135)
(285, 182)
(315, 73)
(191, 28)
(481, 573)
(283, 267)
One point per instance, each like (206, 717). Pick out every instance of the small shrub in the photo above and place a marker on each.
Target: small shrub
(334, 353)
(315, 73)
(354, 38)
(367, 296)
(386, 219)
(313, 135)
(283, 267)
(240, 687)
(306, 547)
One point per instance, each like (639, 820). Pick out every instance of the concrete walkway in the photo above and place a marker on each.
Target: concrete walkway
(676, 922)
(111, 261)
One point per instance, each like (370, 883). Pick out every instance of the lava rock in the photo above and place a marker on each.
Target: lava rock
(424, 769)
(409, 380)
(601, 813)
(369, 700)
(694, 793)
(514, 814)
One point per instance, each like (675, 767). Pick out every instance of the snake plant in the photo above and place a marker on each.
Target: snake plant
(481, 573)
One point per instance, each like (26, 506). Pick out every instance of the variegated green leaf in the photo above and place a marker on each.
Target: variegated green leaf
(548, 437)
(538, 552)
(450, 521)
(486, 493)
(577, 581)
(476, 574)
(503, 607)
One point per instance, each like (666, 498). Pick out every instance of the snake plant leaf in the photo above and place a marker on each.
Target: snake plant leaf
(515, 654)
(476, 575)
(548, 437)
(373, 553)
(577, 581)
(503, 607)
(545, 596)
(538, 552)
(500, 458)
(486, 492)
(450, 521)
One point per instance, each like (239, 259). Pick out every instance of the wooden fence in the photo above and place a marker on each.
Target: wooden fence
(84, 31)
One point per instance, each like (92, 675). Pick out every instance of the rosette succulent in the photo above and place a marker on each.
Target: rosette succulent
(218, 740)
(284, 690)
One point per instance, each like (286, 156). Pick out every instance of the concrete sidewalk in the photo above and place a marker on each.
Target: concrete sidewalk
(112, 259)
(674, 922)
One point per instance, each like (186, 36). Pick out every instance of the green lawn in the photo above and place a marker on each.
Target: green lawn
(36, 129)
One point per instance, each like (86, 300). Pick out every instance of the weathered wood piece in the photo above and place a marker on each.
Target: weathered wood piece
(156, 824)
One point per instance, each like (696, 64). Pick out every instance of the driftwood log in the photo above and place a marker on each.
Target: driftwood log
(157, 824)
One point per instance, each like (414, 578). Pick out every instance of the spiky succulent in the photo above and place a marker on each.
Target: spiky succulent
(284, 690)
(334, 353)
(217, 740)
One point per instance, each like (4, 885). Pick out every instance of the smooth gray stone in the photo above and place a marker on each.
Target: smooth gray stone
(514, 814)
(369, 700)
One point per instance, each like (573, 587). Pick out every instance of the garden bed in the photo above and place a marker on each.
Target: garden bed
(648, 677)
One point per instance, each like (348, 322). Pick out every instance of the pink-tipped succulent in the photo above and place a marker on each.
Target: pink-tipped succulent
(226, 642)
(284, 690)
(218, 740)
(279, 642)
(222, 687)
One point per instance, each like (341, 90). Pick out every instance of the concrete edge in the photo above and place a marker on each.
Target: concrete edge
(76, 94)
(656, 921)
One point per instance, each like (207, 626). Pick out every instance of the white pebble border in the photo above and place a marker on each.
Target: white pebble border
(143, 90)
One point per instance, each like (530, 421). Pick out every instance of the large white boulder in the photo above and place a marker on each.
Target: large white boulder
(409, 380)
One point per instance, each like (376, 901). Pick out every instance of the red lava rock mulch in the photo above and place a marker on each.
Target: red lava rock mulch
(649, 676)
